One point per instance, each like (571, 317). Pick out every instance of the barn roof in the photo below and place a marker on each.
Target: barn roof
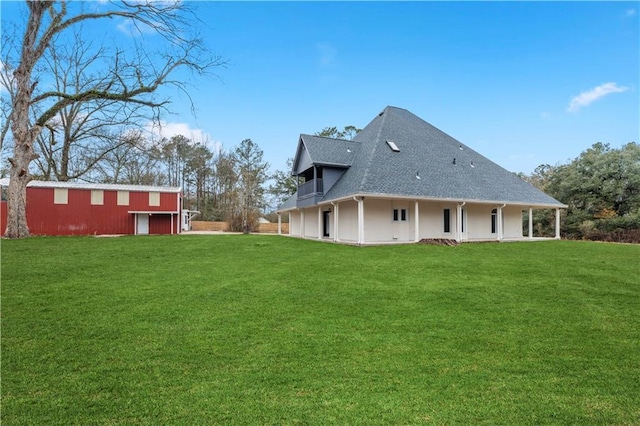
(97, 186)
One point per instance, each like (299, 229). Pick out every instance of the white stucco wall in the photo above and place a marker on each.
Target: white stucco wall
(432, 220)
(379, 225)
(311, 222)
(348, 221)
(512, 222)
(294, 223)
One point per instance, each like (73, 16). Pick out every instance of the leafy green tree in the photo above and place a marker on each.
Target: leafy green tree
(284, 184)
(601, 188)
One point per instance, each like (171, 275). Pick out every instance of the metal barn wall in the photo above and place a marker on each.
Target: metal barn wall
(80, 217)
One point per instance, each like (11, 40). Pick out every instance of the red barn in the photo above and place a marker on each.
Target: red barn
(67, 208)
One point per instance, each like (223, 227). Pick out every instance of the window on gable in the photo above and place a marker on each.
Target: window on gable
(97, 197)
(60, 196)
(447, 220)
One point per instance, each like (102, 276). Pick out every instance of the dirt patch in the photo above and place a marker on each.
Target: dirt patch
(438, 242)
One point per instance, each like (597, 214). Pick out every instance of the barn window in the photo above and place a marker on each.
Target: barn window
(123, 198)
(97, 197)
(60, 196)
(154, 199)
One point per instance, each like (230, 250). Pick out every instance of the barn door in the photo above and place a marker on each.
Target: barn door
(143, 224)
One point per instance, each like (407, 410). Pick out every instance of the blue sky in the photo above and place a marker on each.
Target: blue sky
(523, 83)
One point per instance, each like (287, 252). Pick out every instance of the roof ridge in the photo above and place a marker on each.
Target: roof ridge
(365, 175)
(327, 137)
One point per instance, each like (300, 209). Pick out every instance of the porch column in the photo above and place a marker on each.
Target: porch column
(530, 222)
(416, 216)
(315, 180)
(301, 223)
(500, 236)
(459, 221)
(319, 222)
(557, 224)
(335, 222)
(360, 220)
(279, 224)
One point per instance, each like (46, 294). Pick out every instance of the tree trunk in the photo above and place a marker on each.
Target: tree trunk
(17, 207)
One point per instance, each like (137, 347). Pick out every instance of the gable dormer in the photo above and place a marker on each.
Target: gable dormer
(319, 163)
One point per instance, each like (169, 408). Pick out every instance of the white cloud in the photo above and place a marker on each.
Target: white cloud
(586, 98)
(630, 12)
(168, 130)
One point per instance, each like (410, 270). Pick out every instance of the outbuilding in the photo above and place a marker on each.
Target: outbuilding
(70, 208)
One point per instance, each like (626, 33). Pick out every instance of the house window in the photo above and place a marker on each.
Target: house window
(400, 215)
(123, 198)
(154, 199)
(447, 220)
(97, 197)
(60, 196)
(494, 221)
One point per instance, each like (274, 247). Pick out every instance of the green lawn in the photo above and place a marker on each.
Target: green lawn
(270, 330)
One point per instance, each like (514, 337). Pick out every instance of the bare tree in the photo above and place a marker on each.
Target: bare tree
(82, 134)
(131, 77)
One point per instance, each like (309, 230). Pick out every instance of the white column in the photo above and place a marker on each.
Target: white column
(302, 223)
(459, 222)
(416, 218)
(335, 222)
(530, 222)
(319, 222)
(557, 224)
(361, 221)
(279, 224)
(499, 210)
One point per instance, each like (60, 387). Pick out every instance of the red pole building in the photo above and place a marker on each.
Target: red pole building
(67, 208)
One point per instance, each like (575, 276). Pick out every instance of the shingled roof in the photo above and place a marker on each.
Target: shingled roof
(428, 164)
(400, 155)
(329, 151)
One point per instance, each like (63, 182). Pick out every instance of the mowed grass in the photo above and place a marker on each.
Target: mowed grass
(272, 330)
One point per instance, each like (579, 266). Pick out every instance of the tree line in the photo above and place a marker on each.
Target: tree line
(601, 188)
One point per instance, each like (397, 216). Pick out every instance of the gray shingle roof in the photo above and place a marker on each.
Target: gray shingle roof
(329, 151)
(429, 153)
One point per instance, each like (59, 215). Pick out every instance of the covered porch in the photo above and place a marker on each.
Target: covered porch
(366, 220)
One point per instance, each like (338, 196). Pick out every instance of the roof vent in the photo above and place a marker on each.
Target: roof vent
(472, 165)
(418, 175)
(393, 146)
(348, 149)
(454, 161)
(460, 147)
(380, 115)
